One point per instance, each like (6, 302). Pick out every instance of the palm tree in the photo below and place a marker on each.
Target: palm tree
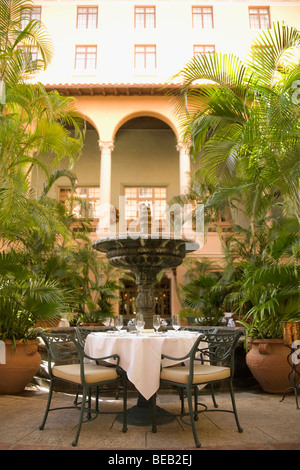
(33, 124)
(244, 124)
(19, 33)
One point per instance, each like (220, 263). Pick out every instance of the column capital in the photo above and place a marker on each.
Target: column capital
(183, 146)
(109, 145)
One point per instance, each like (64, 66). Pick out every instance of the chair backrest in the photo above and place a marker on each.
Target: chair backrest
(61, 347)
(202, 329)
(220, 347)
(82, 333)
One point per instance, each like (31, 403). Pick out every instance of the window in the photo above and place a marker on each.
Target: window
(86, 57)
(259, 18)
(87, 17)
(203, 17)
(144, 17)
(155, 198)
(84, 202)
(145, 57)
(203, 49)
(33, 13)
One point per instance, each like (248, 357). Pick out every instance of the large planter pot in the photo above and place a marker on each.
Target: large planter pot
(20, 367)
(267, 361)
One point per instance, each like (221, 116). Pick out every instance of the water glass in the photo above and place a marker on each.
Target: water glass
(140, 326)
(156, 322)
(119, 322)
(176, 322)
(139, 317)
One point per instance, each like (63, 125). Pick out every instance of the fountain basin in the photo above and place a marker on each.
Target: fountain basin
(145, 256)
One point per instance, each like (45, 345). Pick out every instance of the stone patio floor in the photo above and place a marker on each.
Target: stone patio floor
(268, 425)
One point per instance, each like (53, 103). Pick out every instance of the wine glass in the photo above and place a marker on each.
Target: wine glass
(156, 322)
(140, 322)
(119, 322)
(139, 317)
(140, 326)
(176, 322)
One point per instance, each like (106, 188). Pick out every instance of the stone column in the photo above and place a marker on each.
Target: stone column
(184, 166)
(105, 171)
(105, 186)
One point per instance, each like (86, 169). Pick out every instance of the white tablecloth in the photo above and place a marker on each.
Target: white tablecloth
(140, 355)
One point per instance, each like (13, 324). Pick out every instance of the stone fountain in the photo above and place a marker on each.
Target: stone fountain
(145, 256)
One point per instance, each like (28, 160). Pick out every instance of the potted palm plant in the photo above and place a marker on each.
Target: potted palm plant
(267, 294)
(25, 299)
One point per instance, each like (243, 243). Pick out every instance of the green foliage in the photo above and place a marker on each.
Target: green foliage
(26, 299)
(267, 291)
(243, 123)
(198, 295)
(44, 270)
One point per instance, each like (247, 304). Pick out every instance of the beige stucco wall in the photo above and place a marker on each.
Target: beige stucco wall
(174, 36)
(108, 113)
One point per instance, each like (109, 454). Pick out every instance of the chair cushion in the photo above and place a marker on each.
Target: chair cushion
(203, 373)
(92, 373)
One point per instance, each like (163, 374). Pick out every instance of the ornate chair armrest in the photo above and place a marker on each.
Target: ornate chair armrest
(177, 359)
(104, 358)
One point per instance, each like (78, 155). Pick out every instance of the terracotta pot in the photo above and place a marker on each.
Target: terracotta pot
(20, 366)
(267, 361)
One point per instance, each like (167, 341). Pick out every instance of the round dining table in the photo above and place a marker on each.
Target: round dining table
(140, 356)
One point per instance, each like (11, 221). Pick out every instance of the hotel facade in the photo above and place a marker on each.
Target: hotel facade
(117, 57)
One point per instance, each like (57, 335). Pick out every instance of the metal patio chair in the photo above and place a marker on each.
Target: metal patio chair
(81, 335)
(206, 365)
(68, 362)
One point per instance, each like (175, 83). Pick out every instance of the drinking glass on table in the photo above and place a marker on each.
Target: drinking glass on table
(176, 322)
(140, 322)
(119, 322)
(156, 322)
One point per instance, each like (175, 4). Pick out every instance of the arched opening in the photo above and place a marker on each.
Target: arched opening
(87, 170)
(144, 157)
(86, 166)
(133, 118)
